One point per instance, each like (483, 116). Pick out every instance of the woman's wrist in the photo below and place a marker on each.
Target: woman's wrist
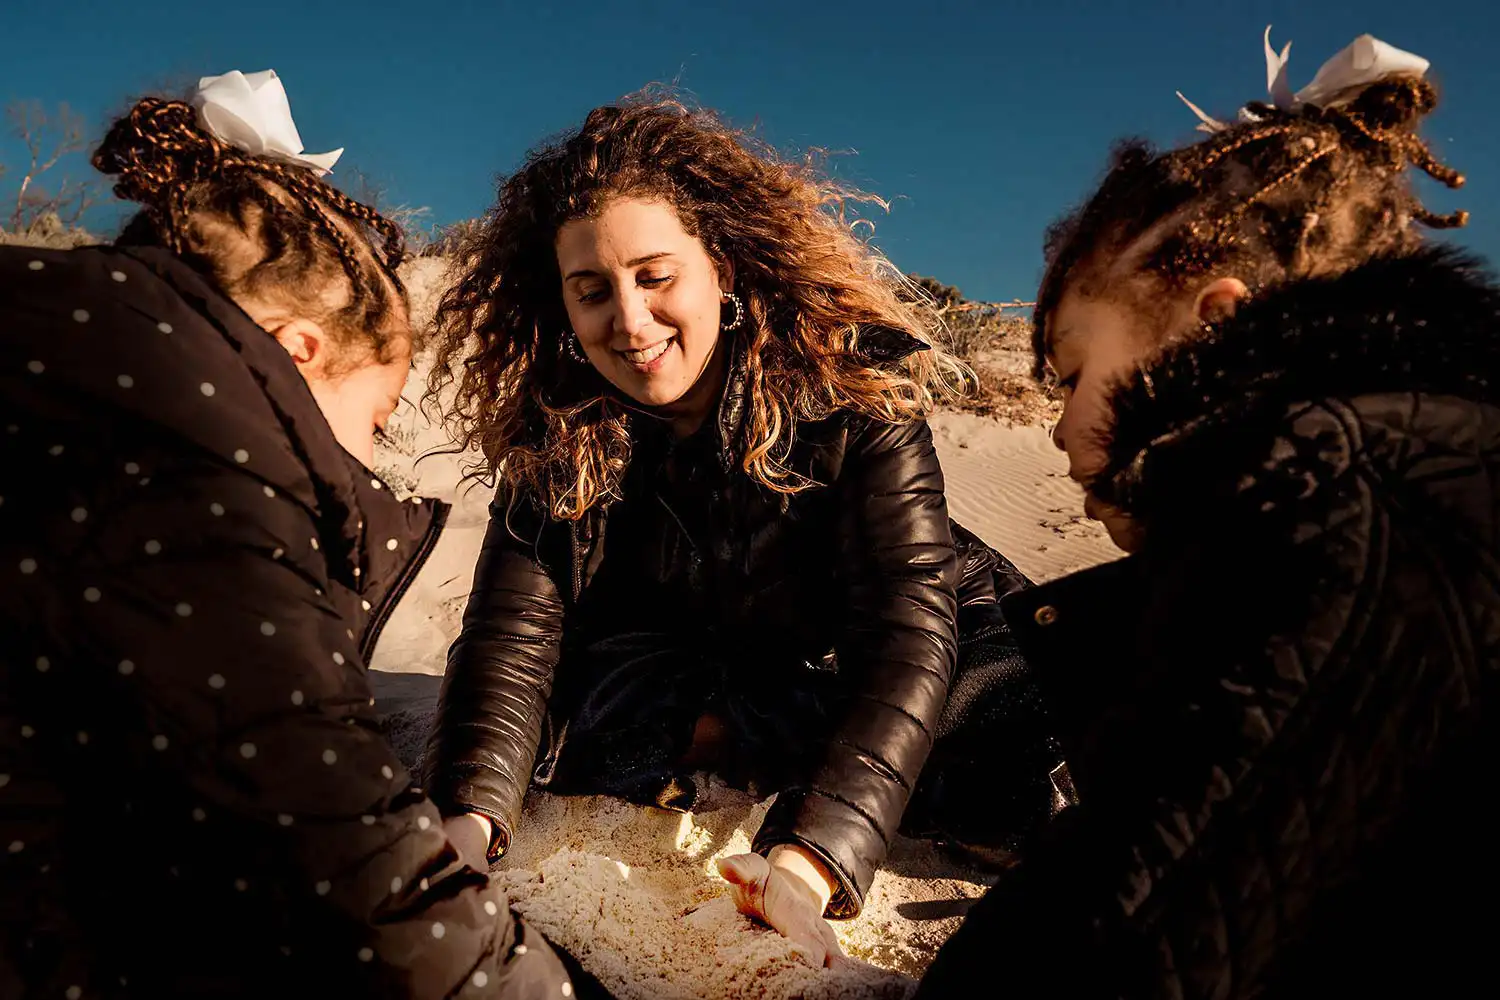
(486, 827)
(808, 868)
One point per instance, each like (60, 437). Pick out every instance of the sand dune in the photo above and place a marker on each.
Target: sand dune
(1011, 487)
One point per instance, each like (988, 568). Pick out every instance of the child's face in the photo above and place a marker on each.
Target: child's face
(1096, 343)
(1091, 347)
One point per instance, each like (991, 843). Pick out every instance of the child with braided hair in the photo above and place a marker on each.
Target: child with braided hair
(197, 564)
(1285, 404)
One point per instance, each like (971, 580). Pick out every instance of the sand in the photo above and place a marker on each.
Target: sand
(633, 891)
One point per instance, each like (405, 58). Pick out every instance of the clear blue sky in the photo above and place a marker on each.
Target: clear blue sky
(981, 121)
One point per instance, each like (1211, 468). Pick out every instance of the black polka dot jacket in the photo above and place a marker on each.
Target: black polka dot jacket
(194, 798)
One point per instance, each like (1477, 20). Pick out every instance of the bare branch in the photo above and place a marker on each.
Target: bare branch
(48, 138)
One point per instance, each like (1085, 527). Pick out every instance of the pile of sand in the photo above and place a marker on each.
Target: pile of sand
(633, 892)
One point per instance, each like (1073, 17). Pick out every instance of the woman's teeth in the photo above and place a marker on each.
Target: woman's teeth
(649, 354)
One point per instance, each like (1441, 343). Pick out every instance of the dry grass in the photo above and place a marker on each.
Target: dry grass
(999, 351)
(50, 233)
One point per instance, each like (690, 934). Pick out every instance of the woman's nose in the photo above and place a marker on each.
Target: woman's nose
(634, 313)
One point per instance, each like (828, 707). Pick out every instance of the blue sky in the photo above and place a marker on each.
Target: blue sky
(981, 122)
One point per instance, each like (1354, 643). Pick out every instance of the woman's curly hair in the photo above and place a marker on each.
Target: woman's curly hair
(552, 429)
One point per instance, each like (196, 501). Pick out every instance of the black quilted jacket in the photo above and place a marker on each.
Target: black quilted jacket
(194, 797)
(861, 571)
(1275, 712)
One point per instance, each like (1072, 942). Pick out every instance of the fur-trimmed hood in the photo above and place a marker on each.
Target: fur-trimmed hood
(1193, 429)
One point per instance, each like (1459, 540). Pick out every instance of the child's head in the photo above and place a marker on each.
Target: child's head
(1172, 241)
(312, 266)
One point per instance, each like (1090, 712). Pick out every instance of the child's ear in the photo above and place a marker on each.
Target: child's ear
(1219, 299)
(306, 342)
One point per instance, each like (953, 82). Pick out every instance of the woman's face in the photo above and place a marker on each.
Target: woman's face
(643, 296)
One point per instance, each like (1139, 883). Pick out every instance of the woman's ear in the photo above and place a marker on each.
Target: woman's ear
(1219, 299)
(306, 342)
(725, 268)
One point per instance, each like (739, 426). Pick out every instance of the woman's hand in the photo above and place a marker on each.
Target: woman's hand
(470, 834)
(789, 892)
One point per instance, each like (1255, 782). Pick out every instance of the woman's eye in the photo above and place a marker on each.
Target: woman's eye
(591, 295)
(654, 281)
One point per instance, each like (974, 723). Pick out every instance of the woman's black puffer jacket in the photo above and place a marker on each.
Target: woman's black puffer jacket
(859, 575)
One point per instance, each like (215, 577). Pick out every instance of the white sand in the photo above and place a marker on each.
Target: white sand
(633, 891)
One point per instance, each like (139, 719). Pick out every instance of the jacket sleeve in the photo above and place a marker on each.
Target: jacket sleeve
(494, 695)
(896, 655)
(249, 718)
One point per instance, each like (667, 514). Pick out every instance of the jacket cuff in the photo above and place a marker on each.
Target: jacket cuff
(839, 835)
(460, 794)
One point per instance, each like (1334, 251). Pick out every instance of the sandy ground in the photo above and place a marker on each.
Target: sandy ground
(632, 891)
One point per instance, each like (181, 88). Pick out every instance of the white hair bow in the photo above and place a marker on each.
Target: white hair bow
(1359, 64)
(251, 112)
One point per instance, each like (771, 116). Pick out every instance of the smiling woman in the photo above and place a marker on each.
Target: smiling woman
(644, 297)
(720, 540)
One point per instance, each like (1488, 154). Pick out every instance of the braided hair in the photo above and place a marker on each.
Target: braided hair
(261, 227)
(1287, 195)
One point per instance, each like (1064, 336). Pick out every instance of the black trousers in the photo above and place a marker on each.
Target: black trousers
(635, 698)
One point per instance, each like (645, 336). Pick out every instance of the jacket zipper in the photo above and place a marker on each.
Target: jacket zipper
(553, 735)
(577, 561)
(382, 614)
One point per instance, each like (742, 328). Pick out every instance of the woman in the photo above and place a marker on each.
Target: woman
(193, 791)
(1283, 402)
(720, 539)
